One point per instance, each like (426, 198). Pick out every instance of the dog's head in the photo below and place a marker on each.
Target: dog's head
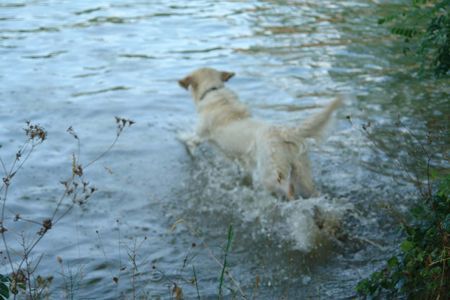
(204, 79)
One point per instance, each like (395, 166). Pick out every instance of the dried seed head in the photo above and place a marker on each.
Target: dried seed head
(72, 133)
(46, 226)
(34, 132)
(121, 123)
(19, 276)
(77, 170)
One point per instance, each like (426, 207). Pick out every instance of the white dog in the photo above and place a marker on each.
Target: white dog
(275, 155)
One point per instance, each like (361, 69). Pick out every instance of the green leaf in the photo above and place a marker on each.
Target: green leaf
(4, 291)
(420, 256)
(444, 187)
(434, 174)
(393, 262)
(406, 246)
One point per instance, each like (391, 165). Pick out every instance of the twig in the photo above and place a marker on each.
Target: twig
(75, 189)
(103, 153)
(2, 230)
(3, 166)
(196, 283)
(371, 242)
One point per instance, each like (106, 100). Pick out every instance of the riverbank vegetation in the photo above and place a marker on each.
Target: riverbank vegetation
(420, 269)
(424, 26)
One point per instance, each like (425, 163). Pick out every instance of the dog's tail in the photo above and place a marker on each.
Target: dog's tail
(314, 126)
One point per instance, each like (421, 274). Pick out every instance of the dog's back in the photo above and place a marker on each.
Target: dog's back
(221, 108)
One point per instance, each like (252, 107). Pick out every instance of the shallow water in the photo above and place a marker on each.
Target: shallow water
(80, 64)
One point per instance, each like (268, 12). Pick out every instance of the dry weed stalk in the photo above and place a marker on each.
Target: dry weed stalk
(76, 191)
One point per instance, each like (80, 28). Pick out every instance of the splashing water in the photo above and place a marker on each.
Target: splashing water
(219, 188)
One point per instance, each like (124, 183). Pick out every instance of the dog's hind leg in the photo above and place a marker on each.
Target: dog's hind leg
(277, 179)
(272, 175)
(301, 179)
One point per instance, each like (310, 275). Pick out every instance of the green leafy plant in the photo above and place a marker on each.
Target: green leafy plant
(227, 250)
(425, 25)
(421, 269)
(4, 287)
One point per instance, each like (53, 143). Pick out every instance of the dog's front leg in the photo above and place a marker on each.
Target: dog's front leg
(190, 141)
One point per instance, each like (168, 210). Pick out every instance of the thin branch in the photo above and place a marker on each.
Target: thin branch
(196, 283)
(2, 230)
(103, 153)
(3, 166)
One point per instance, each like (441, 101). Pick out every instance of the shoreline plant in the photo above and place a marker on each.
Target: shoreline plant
(22, 278)
(425, 27)
(421, 267)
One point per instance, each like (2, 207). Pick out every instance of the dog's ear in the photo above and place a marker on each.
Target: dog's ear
(185, 82)
(225, 76)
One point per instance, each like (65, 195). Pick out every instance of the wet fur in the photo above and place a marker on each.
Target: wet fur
(275, 155)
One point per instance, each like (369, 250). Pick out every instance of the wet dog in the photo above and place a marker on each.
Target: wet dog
(276, 156)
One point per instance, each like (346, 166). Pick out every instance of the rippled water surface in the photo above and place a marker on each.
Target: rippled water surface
(81, 63)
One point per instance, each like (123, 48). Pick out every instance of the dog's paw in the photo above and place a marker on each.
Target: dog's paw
(190, 141)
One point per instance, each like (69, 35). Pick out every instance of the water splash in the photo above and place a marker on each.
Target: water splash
(219, 188)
